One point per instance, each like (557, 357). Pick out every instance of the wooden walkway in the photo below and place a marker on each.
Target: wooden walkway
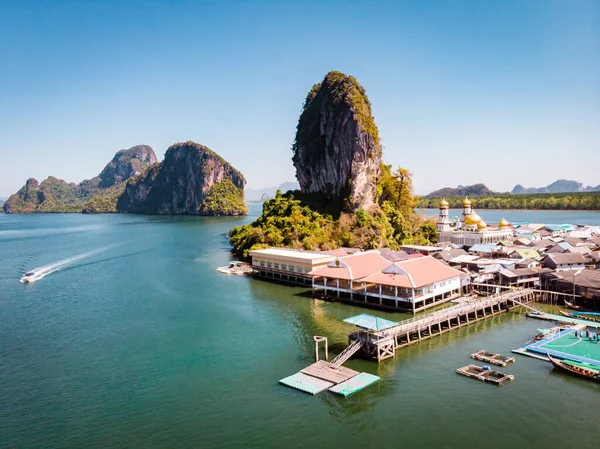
(381, 345)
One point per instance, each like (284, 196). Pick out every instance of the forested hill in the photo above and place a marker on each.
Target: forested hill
(472, 190)
(549, 201)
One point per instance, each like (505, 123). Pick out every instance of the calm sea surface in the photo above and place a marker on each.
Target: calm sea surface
(133, 340)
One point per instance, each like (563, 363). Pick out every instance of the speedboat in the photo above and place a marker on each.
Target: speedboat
(30, 276)
(236, 267)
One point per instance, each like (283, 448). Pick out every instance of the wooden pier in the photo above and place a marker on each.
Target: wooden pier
(381, 345)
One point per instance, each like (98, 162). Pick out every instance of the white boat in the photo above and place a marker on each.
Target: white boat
(30, 276)
(236, 267)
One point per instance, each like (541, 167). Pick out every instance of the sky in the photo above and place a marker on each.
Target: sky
(499, 92)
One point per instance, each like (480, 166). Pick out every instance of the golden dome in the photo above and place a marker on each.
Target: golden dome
(472, 219)
(503, 223)
(481, 225)
(444, 203)
(466, 202)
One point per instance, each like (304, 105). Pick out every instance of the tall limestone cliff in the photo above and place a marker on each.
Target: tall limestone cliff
(127, 163)
(56, 195)
(191, 180)
(337, 152)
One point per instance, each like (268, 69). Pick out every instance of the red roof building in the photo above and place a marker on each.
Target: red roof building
(369, 278)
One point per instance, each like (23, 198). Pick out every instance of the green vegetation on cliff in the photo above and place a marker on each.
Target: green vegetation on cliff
(105, 202)
(224, 198)
(548, 201)
(288, 222)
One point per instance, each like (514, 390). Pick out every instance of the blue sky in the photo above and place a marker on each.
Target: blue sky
(499, 92)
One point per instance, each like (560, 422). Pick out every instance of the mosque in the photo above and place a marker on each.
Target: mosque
(472, 230)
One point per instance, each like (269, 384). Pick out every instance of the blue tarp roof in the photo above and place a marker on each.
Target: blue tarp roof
(370, 322)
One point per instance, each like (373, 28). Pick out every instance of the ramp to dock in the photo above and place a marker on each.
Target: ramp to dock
(346, 353)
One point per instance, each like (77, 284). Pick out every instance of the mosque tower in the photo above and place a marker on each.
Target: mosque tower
(467, 209)
(443, 221)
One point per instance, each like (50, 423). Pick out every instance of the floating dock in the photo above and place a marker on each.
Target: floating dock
(323, 375)
(485, 375)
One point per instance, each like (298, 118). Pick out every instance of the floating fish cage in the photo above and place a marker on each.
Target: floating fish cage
(485, 374)
(494, 359)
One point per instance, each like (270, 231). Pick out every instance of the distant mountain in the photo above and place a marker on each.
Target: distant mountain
(560, 186)
(2, 200)
(473, 190)
(269, 192)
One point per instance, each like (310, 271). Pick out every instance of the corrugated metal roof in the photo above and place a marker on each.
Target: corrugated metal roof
(482, 248)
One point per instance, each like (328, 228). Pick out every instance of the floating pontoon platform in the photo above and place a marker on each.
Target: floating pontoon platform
(354, 384)
(485, 375)
(494, 359)
(305, 383)
(323, 375)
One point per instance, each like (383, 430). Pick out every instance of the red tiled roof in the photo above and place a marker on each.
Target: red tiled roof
(353, 267)
(368, 267)
(420, 272)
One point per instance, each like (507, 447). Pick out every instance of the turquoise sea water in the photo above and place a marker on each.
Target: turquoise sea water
(140, 343)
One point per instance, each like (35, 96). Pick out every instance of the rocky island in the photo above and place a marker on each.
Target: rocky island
(191, 180)
(56, 195)
(347, 196)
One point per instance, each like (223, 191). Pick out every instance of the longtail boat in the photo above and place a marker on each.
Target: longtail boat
(572, 306)
(588, 373)
(580, 316)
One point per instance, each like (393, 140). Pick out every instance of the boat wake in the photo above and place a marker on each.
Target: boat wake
(41, 272)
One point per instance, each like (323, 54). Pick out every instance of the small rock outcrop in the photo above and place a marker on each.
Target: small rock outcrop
(125, 164)
(337, 151)
(189, 174)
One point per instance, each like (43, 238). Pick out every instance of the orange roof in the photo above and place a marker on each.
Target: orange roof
(413, 273)
(352, 267)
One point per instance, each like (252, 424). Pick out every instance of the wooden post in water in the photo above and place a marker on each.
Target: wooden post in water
(317, 340)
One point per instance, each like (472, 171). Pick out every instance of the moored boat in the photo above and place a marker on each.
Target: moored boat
(581, 316)
(570, 367)
(236, 267)
(573, 306)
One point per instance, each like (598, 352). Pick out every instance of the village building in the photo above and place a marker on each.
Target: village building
(565, 261)
(584, 282)
(519, 277)
(471, 230)
(288, 265)
(370, 279)
(419, 249)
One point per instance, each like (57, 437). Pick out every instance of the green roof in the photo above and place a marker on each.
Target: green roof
(528, 253)
(371, 322)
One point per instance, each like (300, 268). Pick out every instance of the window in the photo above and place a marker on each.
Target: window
(269, 265)
(283, 266)
(262, 263)
(292, 268)
(277, 266)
